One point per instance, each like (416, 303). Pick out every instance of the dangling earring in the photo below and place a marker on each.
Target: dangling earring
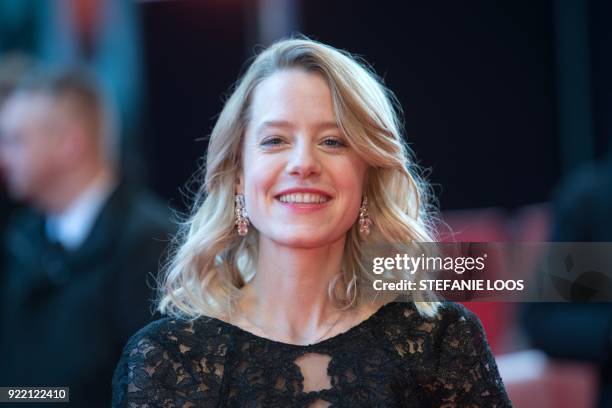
(365, 223)
(242, 222)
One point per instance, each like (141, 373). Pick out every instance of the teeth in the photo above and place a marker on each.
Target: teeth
(303, 198)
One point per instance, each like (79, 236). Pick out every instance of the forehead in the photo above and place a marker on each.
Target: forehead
(295, 95)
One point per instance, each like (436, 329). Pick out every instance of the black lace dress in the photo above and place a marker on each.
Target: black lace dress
(395, 358)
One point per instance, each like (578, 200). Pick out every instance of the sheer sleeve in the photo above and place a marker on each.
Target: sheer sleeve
(466, 374)
(138, 378)
(157, 369)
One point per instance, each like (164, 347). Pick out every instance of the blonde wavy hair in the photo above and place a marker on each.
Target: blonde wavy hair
(210, 262)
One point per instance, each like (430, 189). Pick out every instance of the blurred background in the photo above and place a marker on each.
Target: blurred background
(506, 104)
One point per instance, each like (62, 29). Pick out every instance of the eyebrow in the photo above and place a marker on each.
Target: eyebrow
(287, 124)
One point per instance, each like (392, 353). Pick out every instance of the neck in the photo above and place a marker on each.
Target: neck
(289, 293)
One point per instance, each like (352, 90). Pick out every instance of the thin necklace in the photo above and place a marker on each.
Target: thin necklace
(270, 337)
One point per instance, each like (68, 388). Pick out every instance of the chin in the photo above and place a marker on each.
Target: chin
(302, 244)
(305, 240)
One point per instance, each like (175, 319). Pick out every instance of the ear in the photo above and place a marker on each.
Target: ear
(239, 186)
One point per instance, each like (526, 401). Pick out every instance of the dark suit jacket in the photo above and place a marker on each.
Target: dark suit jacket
(67, 315)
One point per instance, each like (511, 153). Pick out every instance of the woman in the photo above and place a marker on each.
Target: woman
(266, 293)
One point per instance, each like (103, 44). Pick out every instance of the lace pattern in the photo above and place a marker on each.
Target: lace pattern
(396, 358)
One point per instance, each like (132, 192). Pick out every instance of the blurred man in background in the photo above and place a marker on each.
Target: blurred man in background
(582, 212)
(79, 262)
(103, 35)
(12, 68)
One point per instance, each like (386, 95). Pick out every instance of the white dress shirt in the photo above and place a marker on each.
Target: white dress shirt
(72, 227)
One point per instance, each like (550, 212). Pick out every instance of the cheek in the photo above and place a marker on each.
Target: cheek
(350, 175)
(40, 165)
(260, 177)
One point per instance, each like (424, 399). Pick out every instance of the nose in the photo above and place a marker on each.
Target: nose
(303, 161)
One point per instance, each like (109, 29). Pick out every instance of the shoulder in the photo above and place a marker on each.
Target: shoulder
(462, 335)
(23, 232)
(174, 336)
(24, 220)
(453, 323)
(456, 315)
(142, 210)
(172, 360)
(449, 355)
(448, 313)
(583, 187)
(168, 343)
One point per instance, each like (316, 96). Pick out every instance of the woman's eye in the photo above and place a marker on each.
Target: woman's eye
(333, 142)
(272, 141)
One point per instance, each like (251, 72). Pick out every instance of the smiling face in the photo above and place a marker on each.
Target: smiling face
(301, 180)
